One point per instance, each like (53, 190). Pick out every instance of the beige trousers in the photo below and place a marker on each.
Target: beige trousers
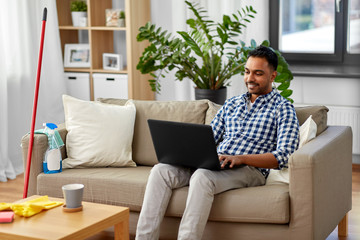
(203, 185)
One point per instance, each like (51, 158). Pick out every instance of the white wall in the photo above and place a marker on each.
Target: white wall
(331, 92)
(327, 91)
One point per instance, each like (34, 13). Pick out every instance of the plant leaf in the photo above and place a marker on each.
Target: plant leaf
(226, 21)
(265, 43)
(191, 43)
(286, 93)
(253, 43)
(285, 85)
(191, 22)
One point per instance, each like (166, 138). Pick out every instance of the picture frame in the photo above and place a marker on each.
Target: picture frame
(112, 61)
(111, 17)
(77, 56)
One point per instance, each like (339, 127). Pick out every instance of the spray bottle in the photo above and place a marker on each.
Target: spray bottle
(52, 160)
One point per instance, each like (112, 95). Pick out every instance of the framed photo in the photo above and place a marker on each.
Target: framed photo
(112, 16)
(77, 55)
(112, 61)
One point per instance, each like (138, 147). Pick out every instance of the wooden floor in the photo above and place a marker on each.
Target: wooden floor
(354, 214)
(13, 190)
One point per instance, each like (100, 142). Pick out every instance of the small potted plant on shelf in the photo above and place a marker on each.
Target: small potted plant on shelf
(78, 11)
(121, 21)
(208, 54)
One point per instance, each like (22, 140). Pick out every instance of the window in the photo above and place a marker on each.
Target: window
(316, 31)
(353, 43)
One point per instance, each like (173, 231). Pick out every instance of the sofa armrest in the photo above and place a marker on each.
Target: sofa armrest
(321, 183)
(38, 152)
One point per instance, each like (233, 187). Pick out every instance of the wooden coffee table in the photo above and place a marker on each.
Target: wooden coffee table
(57, 224)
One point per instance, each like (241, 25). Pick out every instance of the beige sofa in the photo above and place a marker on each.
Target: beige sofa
(310, 207)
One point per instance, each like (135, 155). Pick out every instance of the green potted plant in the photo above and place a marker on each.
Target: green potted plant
(78, 12)
(121, 21)
(207, 54)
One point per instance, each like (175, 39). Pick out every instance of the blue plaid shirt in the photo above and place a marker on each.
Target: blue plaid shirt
(271, 126)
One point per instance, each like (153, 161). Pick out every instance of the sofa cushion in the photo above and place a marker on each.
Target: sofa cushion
(242, 205)
(319, 115)
(116, 101)
(115, 186)
(126, 187)
(181, 111)
(211, 112)
(99, 135)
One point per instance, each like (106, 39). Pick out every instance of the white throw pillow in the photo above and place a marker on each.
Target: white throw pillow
(99, 135)
(307, 132)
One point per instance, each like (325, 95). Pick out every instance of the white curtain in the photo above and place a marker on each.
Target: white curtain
(172, 15)
(20, 28)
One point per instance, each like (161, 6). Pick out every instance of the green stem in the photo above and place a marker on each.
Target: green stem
(227, 76)
(229, 63)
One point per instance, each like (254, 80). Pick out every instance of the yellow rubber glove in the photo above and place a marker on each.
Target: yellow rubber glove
(5, 206)
(31, 207)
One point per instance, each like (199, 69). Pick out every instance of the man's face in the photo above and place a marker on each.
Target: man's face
(258, 76)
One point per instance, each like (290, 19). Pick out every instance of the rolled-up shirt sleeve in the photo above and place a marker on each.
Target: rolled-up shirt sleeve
(288, 134)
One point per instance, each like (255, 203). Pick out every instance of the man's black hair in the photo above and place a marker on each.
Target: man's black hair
(267, 53)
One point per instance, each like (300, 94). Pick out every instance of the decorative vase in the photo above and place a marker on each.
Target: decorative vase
(76, 16)
(216, 96)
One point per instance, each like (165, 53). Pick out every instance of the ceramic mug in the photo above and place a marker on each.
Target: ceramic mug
(73, 194)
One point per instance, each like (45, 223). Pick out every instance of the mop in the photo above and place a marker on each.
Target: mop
(31, 140)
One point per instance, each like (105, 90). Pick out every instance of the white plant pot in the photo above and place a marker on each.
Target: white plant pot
(76, 16)
(121, 22)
